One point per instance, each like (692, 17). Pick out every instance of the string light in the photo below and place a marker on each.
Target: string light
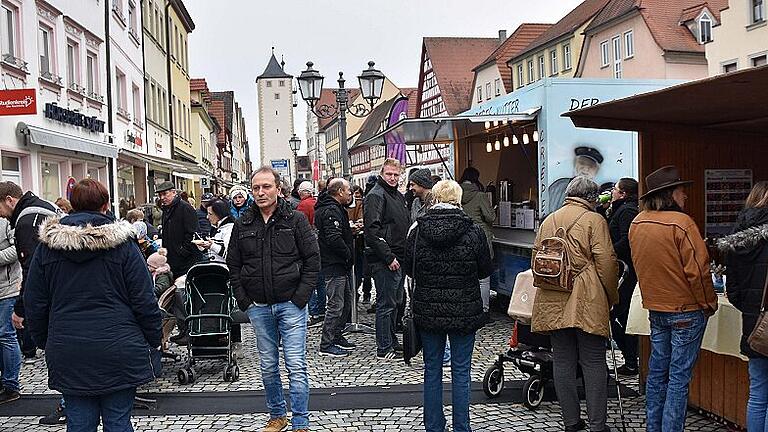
(487, 125)
(526, 139)
(497, 145)
(495, 123)
(506, 141)
(488, 147)
(536, 136)
(515, 141)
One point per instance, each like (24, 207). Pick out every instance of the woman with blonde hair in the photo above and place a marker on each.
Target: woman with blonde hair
(446, 256)
(747, 266)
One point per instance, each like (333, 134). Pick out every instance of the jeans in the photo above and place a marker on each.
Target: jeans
(285, 322)
(572, 347)
(338, 309)
(675, 343)
(10, 353)
(389, 292)
(114, 410)
(461, 364)
(317, 300)
(757, 407)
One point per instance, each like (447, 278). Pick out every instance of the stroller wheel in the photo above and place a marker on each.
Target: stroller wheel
(493, 382)
(533, 392)
(228, 373)
(183, 376)
(235, 373)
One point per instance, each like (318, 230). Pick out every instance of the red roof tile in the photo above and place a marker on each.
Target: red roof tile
(411, 93)
(510, 48)
(665, 20)
(452, 61)
(197, 84)
(567, 25)
(328, 97)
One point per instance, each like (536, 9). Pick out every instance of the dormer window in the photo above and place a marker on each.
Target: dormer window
(705, 29)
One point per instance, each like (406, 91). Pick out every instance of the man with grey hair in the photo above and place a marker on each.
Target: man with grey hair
(578, 321)
(334, 235)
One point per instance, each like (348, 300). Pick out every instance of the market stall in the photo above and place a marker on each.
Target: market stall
(714, 131)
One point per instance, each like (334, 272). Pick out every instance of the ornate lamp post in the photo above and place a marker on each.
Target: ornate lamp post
(295, 144)
(371, 85)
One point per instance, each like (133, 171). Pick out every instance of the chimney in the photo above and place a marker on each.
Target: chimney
(502, 35)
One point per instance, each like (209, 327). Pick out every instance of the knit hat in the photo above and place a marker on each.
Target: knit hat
(157, 259)
(140, 228)
(422, 177)
(305, 186)
(238, 190)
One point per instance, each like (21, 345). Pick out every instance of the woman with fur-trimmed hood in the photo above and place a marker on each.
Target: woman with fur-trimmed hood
(90, 306)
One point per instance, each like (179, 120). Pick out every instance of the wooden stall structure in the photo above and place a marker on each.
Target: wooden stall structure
(718, 123)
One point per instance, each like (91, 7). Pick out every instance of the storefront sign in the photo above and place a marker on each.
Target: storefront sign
(18, 102)
(64, 115)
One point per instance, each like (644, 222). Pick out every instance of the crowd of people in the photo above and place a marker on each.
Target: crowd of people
(291, 254)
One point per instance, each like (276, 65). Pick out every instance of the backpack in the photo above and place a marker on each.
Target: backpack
(552, 267)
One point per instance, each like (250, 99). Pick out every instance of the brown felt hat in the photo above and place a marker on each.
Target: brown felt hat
(663, 178)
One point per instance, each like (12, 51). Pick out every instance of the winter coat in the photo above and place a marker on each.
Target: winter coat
(163, 281)
(386, 225)
(622, 214)
(273, 262)
(451, 256)
(91, 306)
(595, 285)
(356, 213)
(29, 214)
(476, 205)
(179, 228)
(204, 225)
(10, 269)
(307, 206)
(672, 263)
(237, 212)
(294, 200)
(747, 265)
(221, 238)
(334, 236)
(420, 208)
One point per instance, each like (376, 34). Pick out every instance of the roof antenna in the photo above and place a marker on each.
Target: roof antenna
(273, 50)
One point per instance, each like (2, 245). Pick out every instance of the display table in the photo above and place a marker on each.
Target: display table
(720, 382)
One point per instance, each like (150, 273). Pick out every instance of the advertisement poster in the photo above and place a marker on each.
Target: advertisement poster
(18, 102)
(726, 191)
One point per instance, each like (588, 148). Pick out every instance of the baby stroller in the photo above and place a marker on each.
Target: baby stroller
(208, 307)
(531, 353)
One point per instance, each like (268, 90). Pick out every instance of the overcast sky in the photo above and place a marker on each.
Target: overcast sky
(232, 40)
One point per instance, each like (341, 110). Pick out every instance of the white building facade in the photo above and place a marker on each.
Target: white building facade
(275, 94)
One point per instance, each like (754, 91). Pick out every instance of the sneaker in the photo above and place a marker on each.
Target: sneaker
(276, 424)
(390, 355)
(9, 396)
(627, 371)
(580, 426)
(398, 347)
(315, 321)
(57, 417)
(333, 351)
(344, 344)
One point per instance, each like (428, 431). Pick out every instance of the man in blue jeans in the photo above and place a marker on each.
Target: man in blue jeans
(672, 265)
(10, 283)
(273, 261)
(386, 226)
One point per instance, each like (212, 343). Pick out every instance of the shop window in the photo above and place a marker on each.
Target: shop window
(9, 23)
(51, 184)
(12, 169)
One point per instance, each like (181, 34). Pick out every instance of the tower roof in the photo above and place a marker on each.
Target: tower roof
(274, 69)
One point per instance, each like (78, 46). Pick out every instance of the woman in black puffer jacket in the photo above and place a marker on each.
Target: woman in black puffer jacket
(447, 255)
(747, 265)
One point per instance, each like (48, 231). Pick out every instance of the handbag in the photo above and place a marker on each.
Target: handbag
(411, 338)
(758, 339)
(522, 298)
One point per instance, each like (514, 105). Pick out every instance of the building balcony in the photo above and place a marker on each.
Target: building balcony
(123, 112)
(52, 79)
(16, 63)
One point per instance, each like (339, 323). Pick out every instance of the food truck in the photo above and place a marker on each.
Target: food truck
(527, 153)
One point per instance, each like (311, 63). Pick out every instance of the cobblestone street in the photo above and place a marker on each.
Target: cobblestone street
(329, 378)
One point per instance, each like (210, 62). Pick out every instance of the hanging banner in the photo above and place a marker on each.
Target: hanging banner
(18, 102)
(316, 170)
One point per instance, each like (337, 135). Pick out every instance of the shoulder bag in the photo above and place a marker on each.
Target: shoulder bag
(411, 339)
(758, 339)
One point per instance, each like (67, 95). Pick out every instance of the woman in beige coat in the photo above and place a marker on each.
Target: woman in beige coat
(578, 322)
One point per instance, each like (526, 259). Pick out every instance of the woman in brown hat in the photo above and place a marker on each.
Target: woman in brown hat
(672, 266)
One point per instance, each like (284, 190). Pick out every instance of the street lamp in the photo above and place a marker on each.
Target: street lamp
(295, 144)
(371, 86)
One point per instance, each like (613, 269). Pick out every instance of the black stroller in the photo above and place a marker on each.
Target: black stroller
(209, 308)
(531, 353)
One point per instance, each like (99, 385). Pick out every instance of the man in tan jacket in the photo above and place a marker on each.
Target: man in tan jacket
(672, 266)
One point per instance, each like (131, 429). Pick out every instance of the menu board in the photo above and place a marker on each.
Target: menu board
(726, 192)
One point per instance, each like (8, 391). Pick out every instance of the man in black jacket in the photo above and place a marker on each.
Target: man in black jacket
(180, 225)
(386, 226)
(334, 236)
(273, 261)
(26, 212)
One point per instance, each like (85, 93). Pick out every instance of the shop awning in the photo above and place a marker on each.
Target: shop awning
(437, 130)
(732, 102)
(182, 169)
(48, 138)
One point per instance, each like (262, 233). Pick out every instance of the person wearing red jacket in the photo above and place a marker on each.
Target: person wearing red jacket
(308, 201)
